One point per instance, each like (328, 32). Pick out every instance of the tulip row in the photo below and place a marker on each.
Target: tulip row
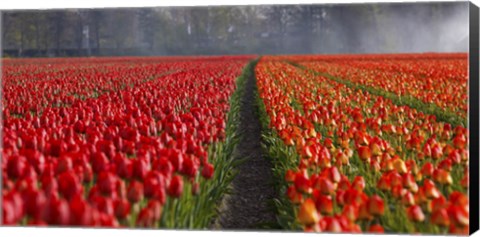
(441, 80)
(156, 154)
(31, 89)
(333, 146)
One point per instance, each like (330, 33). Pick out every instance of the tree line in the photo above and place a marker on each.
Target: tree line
(262, 29)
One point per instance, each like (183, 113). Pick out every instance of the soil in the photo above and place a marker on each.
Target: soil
(249, 206)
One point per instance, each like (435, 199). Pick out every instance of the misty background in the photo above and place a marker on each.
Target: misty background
(262, 29)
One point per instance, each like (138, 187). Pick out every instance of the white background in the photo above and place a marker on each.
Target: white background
(77, 232)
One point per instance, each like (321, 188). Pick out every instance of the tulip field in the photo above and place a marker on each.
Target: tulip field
(117, 142)
(351, 160)
(357, 143)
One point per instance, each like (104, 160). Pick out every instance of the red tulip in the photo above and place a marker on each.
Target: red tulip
(56, 212)
(294, 196)
(153, 181)
(80, 212)
(438, 203)
(353, 196)
(459, 141)
(16, 166)
(49, 184)
(176, 158)
(332, 225)
(427, 169)
(145, 218)
(290, 176)
(36, 159)
(107, 183)
(135, 191)
(458, 199)
(344, 184)
(140, 168)
(376, 228)
(458, 216)
(207, 171)
(123, 166)
(65, 163)
(437, 152)
(57, 147)
(8, 212)
(163, 165)
(122, 208)
(34, 201)
(69, 185)
(189, 167)
(175, 188)
(100, 162)
(104, 205)
(18, 204)
(156, 209)
(302, 184)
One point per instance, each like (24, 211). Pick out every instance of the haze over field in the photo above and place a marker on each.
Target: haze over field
(263, 29)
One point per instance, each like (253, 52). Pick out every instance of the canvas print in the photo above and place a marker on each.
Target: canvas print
(348, 118)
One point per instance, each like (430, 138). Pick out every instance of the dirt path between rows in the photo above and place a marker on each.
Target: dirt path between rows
(250, 204)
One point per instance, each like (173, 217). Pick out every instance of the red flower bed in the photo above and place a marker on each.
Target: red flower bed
(110, 142)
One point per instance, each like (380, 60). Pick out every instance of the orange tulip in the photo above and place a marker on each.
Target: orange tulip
(351, 212)
(415, 213)
(458, 199)
(440, 217)
(307, 214)
(324, 204)
(427, 169)
(430, 189)
(364, 152)
(358, 183)
(442, 176)
(302, 183)
(408, 199)
(290, 176)
(399, 166)
(363, 213)
(438, 203)
(384, 183)
(325, 186)
(376, 205)
(458, 216)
